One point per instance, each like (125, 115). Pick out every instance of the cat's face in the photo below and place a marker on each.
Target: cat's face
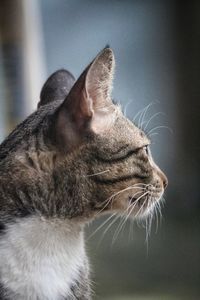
(78, 155)
(112, 157)
(122, 170)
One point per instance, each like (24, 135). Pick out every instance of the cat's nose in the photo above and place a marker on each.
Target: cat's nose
(163, 178)
(165, 182)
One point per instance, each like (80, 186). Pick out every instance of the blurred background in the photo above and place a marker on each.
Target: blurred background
(157, 49)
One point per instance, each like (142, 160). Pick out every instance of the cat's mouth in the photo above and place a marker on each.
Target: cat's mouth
(133, 200)
(144, 203)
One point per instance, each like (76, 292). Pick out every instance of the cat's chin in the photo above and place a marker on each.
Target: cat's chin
(146, 213)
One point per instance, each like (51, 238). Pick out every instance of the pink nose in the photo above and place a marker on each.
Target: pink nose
(162, 177)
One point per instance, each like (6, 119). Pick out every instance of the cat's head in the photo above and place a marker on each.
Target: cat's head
(80, 147)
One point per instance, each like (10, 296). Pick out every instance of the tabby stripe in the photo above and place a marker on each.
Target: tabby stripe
(118, 179)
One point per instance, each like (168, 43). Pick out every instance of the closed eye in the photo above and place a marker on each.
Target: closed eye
(122, 156)
(146, 149)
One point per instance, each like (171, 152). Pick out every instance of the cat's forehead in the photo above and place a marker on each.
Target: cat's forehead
(130, 133)
(124, 132)
(136, 134)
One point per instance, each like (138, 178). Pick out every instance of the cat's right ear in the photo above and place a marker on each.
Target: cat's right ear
(57, 87)
(88, 109)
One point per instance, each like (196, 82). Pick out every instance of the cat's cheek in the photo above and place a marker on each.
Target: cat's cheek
(124, 202)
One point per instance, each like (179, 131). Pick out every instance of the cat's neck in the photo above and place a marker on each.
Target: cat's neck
(41, 258)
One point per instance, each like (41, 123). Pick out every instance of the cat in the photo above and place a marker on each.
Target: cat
(75, 158)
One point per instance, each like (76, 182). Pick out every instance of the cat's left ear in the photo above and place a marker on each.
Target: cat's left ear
(56, 87)
(88, 107)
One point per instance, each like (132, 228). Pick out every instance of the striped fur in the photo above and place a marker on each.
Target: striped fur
(76, 157)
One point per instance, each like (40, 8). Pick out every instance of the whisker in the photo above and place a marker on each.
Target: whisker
(137, 114)
(125, 108)
(131, 229)
(153, 133)
(144, 114)
(150, 217)
(126, 214)
(122, 216)
(141, 111)
(126, 211)
(142, 204)
(156, 214)
(153, 117)
(107, 201)
(134, 204)
(148, 230)
(159, 210)
(99, 173)
(109, 226)
(99, 227)
(120, 226)
(160, 127)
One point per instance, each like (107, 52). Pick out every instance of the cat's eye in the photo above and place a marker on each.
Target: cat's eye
(146, 149)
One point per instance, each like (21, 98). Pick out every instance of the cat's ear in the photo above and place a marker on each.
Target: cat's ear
(88, 107)
(98, 79)
(57, 87)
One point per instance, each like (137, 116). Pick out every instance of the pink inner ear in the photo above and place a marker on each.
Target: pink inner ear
(103, 119)
(86, 104)
(98, 81)
(99, 77)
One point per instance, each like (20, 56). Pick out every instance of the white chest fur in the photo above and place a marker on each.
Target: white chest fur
(40, 259)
